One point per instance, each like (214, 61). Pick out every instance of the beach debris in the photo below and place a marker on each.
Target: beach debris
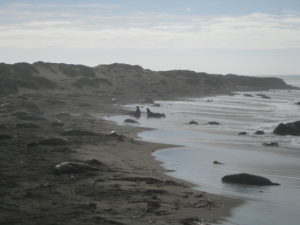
(271, 144)
(130, 121)
(213, 123)
(217, 162)
(288, 129)
(192, 122)
(73, 167)
(53, 142)
(73, 132)
(242, 133)
(263, 96)
(259, 132)
(247, 179)
(154, 115)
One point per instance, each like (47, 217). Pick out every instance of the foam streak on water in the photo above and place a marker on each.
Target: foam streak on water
(202, 144)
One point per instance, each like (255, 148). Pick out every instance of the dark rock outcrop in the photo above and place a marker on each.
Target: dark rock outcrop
(154, 115)
(247, 179)
(288, 129)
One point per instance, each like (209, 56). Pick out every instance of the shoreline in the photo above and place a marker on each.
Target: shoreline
(152, 167)
(129, 186)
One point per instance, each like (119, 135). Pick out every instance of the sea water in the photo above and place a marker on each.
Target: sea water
(202, 144)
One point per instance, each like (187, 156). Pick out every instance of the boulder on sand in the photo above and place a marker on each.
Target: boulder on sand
(288, 129)
(154, 115)
(247, 179)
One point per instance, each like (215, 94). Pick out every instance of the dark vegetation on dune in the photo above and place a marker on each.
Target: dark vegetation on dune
(126, 79)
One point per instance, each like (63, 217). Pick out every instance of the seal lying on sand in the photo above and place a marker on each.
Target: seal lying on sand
(154, 115)
(247, 179)
(73, 167)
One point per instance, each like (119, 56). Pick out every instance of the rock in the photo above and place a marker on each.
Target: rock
(247, 179)
(297, 103)
(53, 141)
(73, 167)
(259, 132)
(27, 125)
(130, 121)
(192, 122)
(5, 136)
(213, 123)
(72, 132)
(242, 133)
(288, 129)
(217, 162)
(271, 144)
(248, 95)
(263, 96)
(57, 123)
(154, 115)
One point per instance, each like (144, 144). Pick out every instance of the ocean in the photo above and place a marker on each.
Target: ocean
(202, 144)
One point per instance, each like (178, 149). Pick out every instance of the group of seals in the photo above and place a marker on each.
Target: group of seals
(137, 113)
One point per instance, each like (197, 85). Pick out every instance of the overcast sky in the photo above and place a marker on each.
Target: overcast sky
(257, 37)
